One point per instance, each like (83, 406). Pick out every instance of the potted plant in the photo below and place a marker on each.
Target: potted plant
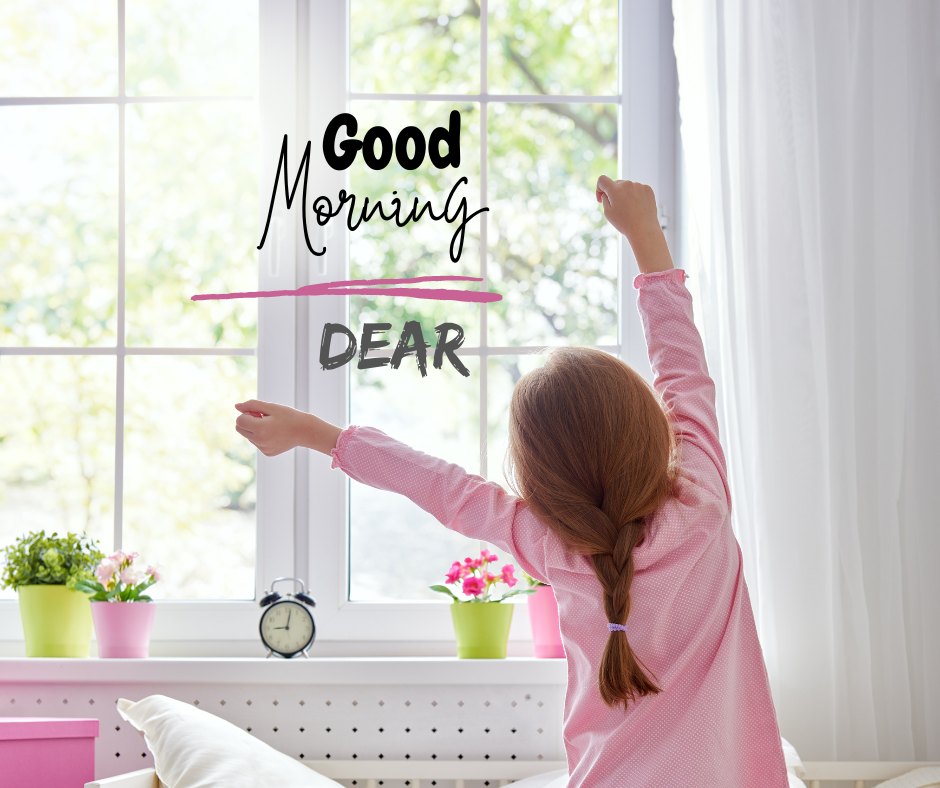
(123, 613)
(44, 571)
(543, 616)
(481, 624)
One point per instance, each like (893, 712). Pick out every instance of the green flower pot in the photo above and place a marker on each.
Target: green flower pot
(482, 629)
(56, 621)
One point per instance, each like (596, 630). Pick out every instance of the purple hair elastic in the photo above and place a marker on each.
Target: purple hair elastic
(616, 627)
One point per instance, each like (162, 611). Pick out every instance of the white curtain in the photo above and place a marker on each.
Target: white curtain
(811, 150)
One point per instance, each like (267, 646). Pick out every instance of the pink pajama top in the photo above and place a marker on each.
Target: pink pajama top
(713, 724)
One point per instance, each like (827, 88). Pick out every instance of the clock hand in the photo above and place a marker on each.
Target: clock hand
(288, 619)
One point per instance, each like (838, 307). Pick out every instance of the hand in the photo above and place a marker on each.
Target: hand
(631, 208)
(275, 428)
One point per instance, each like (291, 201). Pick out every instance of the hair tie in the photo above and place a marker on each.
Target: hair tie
(616, 627)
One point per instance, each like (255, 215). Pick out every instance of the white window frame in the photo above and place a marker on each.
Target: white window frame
(301, 527)
(181, 626)
(647, 152)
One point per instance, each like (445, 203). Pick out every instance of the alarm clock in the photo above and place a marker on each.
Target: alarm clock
(287, 627)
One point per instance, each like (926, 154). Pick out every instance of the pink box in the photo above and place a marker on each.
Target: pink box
(47, 752)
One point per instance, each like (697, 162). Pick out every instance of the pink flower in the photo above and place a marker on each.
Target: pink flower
(473, 586)
(455, 573)
(507, 575)
(468, 561)
(489, 557)
(491, 578)
(105, 571)
(117, 557)
(477, 563)
(153, 573)
(130, 577)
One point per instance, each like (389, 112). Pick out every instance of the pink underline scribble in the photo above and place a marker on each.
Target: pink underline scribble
(361, 287)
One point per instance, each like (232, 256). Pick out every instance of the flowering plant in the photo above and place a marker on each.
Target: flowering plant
(118, 580)
(476, 581)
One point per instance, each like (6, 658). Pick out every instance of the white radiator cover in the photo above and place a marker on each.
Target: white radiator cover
(368, 709)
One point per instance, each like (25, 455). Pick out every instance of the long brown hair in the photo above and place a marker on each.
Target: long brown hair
(592, 453)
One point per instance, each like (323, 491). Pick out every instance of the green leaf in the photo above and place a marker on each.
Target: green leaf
(517, 592)
(90, 587)
(38, 559)
(444, 590)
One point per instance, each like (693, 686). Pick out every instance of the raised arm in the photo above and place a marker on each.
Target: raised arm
(675, 347)
(464, 502)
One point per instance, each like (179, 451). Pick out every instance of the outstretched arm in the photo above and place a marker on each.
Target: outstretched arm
(464, 502)
(675, 347)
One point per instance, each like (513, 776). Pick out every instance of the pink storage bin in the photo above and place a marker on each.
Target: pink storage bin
(47, 752)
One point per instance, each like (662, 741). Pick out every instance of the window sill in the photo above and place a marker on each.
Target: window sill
(315, 670)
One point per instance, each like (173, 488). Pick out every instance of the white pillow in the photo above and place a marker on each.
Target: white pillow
(195, 749)
(792, 759)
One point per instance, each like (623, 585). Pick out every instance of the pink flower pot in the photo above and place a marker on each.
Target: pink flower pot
(123, 628)
(543, 615)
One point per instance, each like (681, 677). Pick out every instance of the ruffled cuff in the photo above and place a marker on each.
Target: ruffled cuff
(674, 274)
(337, 451)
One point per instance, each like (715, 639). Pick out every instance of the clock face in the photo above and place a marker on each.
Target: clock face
(287, 628)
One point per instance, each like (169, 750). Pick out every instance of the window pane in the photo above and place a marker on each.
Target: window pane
(397, 549)
(192, 203)
(58, 48)
(189, 478)
(178, 47)
(552, 257)
(380, 249)
(57, 446)
(503, 372)
(414, 46)
(58, 225)
(553, 47)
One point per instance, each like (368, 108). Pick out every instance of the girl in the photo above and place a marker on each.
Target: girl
(623, 508)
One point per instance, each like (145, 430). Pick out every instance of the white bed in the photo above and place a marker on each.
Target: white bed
(420, 773)
(191, 746)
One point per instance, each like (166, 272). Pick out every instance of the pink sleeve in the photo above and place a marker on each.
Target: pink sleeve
(461, 501)
(681, 376)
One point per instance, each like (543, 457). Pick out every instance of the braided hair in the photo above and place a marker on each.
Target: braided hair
(592, 453)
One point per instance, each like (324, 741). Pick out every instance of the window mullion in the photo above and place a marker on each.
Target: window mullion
(276, 316)
(119, 360)
(327, 391)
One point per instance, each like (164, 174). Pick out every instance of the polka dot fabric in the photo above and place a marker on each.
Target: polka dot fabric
(691, 621)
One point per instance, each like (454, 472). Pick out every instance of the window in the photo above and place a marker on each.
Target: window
(130, 155)
(539, 112)
(550, 95)
(133, 182)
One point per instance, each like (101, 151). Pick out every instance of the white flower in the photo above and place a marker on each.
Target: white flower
(105, 571)
(131, 576)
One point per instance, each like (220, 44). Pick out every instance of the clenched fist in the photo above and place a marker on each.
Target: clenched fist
(631, 208)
